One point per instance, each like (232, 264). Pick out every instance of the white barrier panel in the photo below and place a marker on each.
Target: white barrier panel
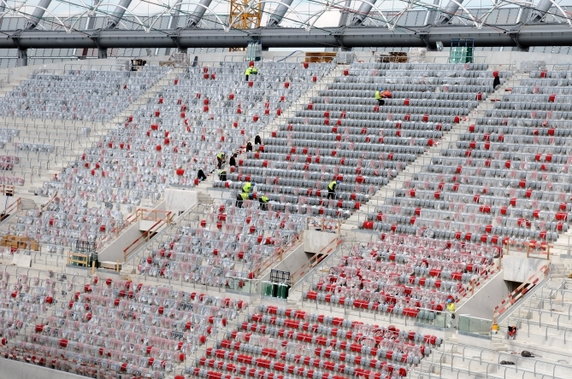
(22, 260)
(178, 200)
(315, 240)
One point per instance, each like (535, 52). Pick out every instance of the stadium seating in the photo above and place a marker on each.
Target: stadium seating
(224, 248)
(108, 327)
(86, 95)
(508, 178)
(405, 275)
(277, 343)
(345, 135)
(163, 144)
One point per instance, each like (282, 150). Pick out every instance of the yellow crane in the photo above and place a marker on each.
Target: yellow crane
(245, 14)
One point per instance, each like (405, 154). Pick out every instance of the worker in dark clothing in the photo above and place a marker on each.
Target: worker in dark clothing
(201, 175)
(232, 160)
(511, 333)
(248, 146)
(220, 159)
(263, 200)
(496, 80)
(257, 140)
(241, 197)
(332, 189)
(222, 175)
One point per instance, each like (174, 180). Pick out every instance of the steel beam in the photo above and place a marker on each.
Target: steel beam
(37, 14)
(498, 35)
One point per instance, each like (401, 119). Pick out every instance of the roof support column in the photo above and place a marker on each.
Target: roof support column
(449, 12)
(91, 15)
(540, 10)
(362, 12)
(174, 21)
(279, 13)
(432, 13)
(37, 14)
(198, 13)
(118, 13)
(22, 57)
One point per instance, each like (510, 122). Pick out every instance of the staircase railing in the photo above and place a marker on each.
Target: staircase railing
(517, 294)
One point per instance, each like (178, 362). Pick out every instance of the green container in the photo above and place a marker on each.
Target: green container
(461, 54)
(267, 289)
(283, 290)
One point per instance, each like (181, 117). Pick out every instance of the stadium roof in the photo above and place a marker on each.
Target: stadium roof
(316, 23)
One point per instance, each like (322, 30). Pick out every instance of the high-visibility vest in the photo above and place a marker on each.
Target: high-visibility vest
(244, 196)
(332, 185)
(377, 95)
(220, 156)
(247, 187)
(451, 307)
(264, 199)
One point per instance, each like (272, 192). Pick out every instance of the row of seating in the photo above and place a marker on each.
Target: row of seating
(297, 162)
(226, 247)
(7, 162)
(164, 143)
(406, 85)
(277, 342)
(78, 94)
(500, 183)
(106, 328)
(405, 275)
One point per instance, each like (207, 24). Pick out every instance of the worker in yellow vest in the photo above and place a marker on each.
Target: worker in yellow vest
(332, 189)
(247, 187)
(263, 200)
(251, 70)
(381, 95)
(220, 159)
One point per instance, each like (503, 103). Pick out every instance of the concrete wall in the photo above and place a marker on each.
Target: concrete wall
(114, 251)
(178, 200)
(6, 201)
(315, 240)
(483, 302)
(292, 262)
(10, 369)
(518, 268)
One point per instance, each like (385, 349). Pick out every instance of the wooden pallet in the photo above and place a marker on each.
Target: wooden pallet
(17, 242)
